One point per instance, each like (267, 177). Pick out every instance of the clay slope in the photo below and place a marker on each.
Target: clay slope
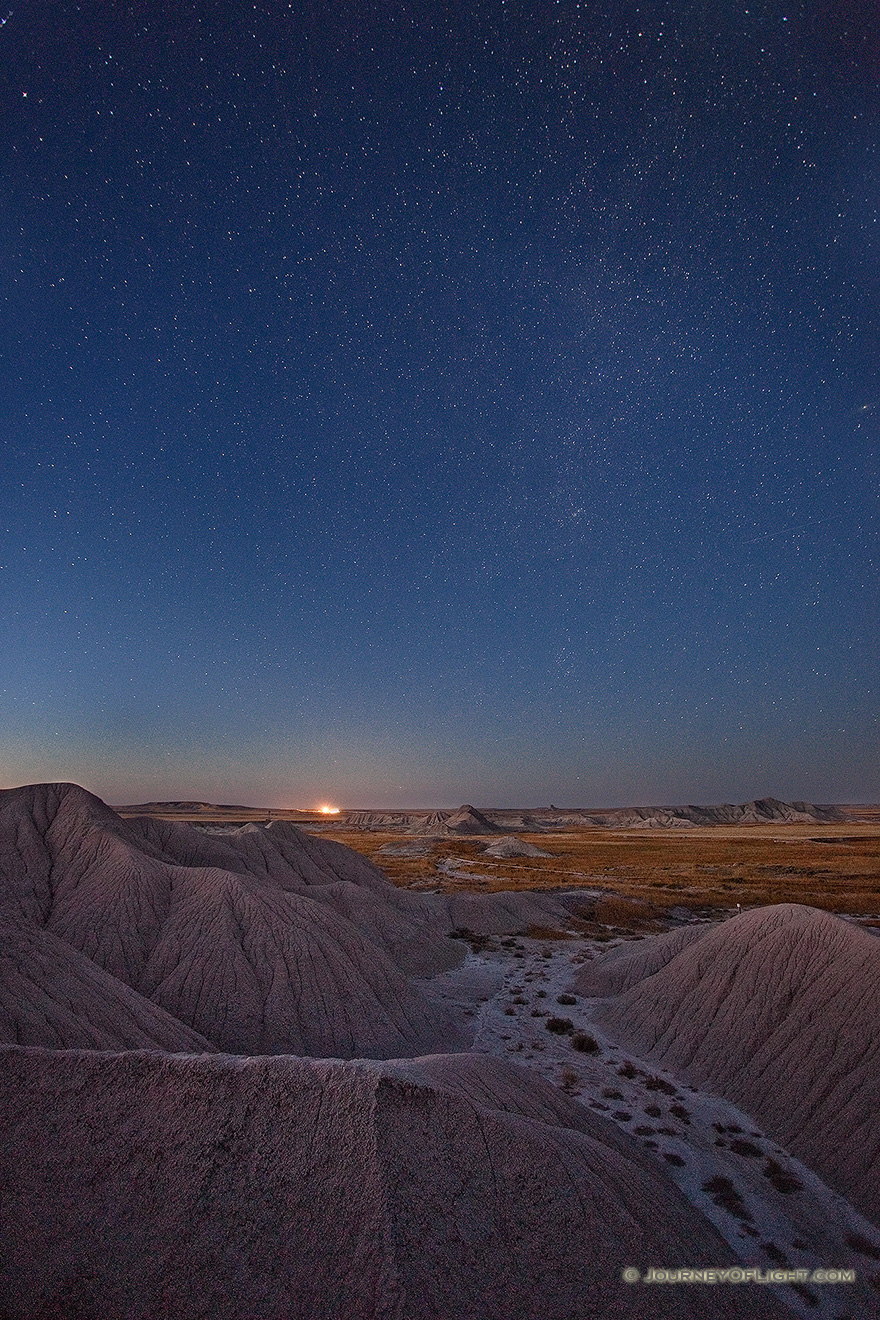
(313, 1190)
(272, 943)
(53, 996)
(778, 1009)
(630, 963)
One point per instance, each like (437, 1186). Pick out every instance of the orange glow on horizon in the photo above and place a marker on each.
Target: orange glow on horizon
(326, 810)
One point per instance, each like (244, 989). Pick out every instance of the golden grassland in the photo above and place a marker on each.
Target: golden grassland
(835, 867)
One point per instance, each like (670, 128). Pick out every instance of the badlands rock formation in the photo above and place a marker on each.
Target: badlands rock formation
(314, 1190)
(263, 942)
(166, 1153)
(778, 1010)
(511, 846)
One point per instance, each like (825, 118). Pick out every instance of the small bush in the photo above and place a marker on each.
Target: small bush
(583, 1041)
(570, 1079)
(740, 1146)
(659, 1084)
(780, 1178)
(863, 1245)
(566, 999)
(725, 1195)
(561, 1026)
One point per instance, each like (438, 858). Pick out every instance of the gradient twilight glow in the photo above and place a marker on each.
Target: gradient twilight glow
(409, 403)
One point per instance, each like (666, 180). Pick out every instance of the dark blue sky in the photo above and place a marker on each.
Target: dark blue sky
(411, 403)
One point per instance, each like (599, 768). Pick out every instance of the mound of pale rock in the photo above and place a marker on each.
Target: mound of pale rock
(778, 1009)
(267, 941)
(468, 820)
(233, 1188)
(511, 846)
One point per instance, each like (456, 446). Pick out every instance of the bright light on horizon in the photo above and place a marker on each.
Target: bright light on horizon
(326, 810)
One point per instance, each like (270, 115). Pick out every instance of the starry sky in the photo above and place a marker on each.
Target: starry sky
(411, 402)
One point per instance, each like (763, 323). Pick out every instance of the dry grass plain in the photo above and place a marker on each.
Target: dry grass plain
(835, 867)
(831, 866)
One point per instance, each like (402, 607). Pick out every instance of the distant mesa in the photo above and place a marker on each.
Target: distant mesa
(777, 1009)
(763, 811)
(468, 820)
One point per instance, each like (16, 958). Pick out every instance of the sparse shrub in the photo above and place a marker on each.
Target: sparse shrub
(546, 933)
(863, 1245)
(627, 1069)
(725, 1195)
(774, 1253)
(609, 1093)
(566, 999)
(682, 1114)
(625, 912)
(740, 1146)
(660, 1084)
(782, 1179)
(653, 1110)
(803, 1291)
(671, 1158)
(570, 1079)
(561, 1026)
(583, 1041)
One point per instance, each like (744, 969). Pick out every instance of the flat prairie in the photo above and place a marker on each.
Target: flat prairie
(834, 867)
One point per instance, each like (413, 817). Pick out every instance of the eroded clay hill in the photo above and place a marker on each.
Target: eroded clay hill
(318, 1189)
(264, 940)
(777, 1009)
(270, 943)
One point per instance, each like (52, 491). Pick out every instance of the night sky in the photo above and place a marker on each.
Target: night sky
(411, 403)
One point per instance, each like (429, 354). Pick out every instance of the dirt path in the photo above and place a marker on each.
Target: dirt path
(772, 1210)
